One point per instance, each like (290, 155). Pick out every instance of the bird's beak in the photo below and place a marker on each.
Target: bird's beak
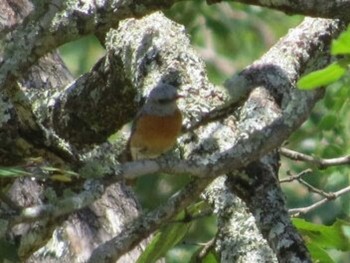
(179, 96)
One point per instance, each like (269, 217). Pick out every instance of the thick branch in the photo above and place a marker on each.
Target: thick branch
(141, 53)
(314, 8)
(143, 226)
(65, 21)
(264, 128)
(52, 24)
(233, 144)
(260, 190)
(106, 90)
(62, 207)
(233, 220)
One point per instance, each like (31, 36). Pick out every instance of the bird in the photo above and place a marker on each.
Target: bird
(157, 124)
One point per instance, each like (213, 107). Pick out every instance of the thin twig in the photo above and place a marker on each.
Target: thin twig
(307, 209)
(291, 178)
(205, 250)
(313, 189)
(319, 162)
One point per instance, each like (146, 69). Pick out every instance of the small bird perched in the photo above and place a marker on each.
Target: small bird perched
(157, 124)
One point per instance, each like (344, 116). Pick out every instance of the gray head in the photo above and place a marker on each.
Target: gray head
(161, 100)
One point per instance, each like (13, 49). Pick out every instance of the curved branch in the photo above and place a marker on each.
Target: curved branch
(65, 21)
(52, 24)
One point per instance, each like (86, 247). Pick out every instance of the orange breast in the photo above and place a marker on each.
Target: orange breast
(154, 135)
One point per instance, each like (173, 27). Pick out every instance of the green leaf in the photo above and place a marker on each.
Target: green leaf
(171, 234)
(324, 236)
(210, 257)
(318, 254)
(13, 172)
(164, 239)
(322, 77)
(341, 45)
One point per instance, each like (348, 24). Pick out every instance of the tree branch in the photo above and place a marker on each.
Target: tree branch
(260, 190)
(61, 207)
(318, 162)
(307, 209)
(314, 8)
(52, 24)
(143, 226)
(313, 189)
(150, 55)
(291, 178)
(233, 220)
(267, 126)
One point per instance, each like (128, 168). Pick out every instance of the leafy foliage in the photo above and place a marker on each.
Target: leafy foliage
(323, 77)
(164, 240)
(341, 46)
(171, 234)
(320, 237)
(325, 236)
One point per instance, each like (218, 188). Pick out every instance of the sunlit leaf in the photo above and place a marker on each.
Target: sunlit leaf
(171, 234)
(50, 169)
(324, 236)
(61, 178)
(322, 77)
(165, 239)
(13, 172)
(61, 175)
(210, 257)
(318, 254)
(341, 45)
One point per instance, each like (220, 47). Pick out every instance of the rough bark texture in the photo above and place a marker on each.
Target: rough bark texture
(50, 120)
(313, 8)
(27, 108)
(233, 220)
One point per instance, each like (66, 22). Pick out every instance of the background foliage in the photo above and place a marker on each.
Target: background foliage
(228, 37)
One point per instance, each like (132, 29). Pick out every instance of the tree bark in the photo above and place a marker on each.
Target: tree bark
(48, 119)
